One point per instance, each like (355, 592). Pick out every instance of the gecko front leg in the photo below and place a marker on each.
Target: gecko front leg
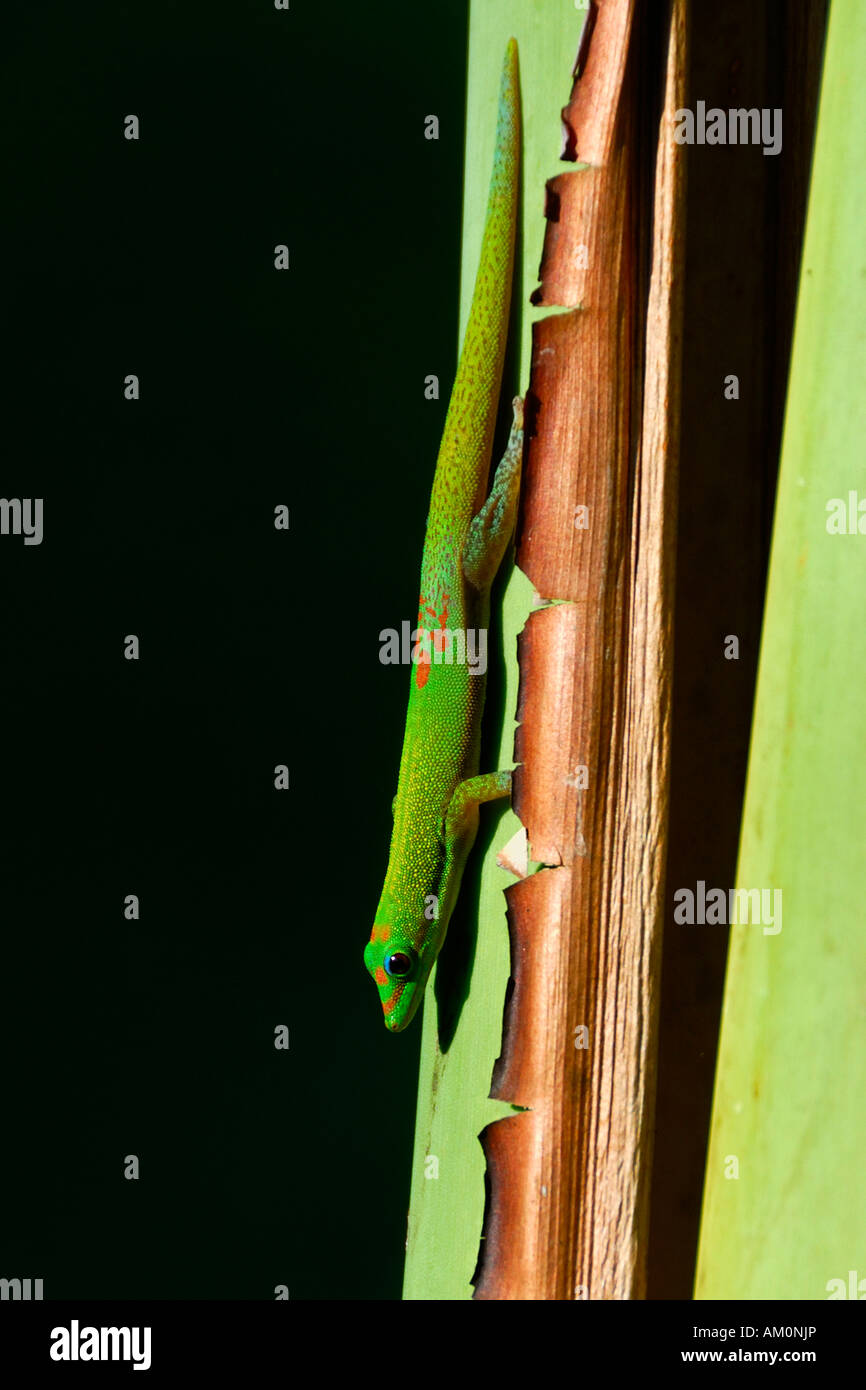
(461, 824)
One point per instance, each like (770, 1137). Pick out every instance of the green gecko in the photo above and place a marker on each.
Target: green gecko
(439, 788)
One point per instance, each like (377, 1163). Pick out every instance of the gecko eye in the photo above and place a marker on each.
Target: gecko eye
(399, 964)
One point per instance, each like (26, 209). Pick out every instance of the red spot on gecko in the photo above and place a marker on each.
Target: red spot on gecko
(432, 622)
(381, 977)
(389, 1005)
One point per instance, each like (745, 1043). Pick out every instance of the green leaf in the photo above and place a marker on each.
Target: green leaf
(447, 1205)
(790, 1101)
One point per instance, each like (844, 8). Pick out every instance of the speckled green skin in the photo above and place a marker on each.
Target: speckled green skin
(439, 790)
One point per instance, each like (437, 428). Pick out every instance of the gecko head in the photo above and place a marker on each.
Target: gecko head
(397, 970)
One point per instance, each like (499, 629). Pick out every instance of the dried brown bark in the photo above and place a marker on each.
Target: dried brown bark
(569, 1179)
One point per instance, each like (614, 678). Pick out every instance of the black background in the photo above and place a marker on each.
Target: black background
(258, 647)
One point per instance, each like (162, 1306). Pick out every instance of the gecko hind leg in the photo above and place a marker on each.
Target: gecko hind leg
(461, 819)
(491, 528)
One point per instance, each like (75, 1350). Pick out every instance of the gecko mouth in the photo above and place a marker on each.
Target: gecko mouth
(402, 1005)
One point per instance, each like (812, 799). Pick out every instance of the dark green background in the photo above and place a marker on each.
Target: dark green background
(258, 647)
